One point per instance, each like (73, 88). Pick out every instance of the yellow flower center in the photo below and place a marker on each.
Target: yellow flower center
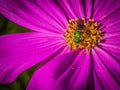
(81, 34)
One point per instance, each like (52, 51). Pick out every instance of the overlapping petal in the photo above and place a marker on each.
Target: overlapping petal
(77, 8)
(106, 70)
(113, 50)
(19, 52)
(65, 72)
(51, 15)
(105, 8)
(34, 14)
(70, 7)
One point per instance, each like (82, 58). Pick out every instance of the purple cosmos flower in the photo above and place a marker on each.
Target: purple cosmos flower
(76, 41)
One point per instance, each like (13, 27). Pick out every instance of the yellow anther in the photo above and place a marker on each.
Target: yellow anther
(76, 19)
(82, 18)
(71, 20)
(96, 24)
(92, 20)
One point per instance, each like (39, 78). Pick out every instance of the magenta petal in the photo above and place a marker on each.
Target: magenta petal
(89, 8)
(67, 8)
(30, 14)
(54, 11)
(104, 8)
(112, 19)
(19, 52)
(112, 37)
(112, 28)
(107, 70)
(112, 23)
(77, 6)
(115, 41)
(113, 50)
(66, 72)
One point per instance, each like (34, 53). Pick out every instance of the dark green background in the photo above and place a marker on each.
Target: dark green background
(21, 82)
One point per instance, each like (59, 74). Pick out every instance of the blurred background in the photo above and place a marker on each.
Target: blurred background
(7, 27)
